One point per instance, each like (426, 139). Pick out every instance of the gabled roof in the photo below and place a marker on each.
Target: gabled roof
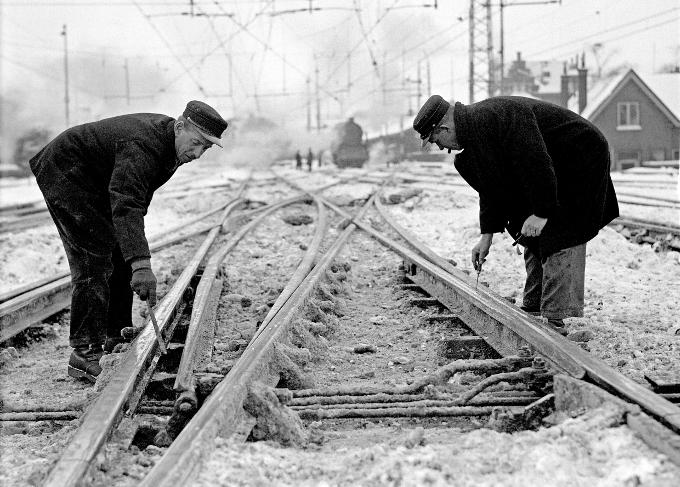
(662, 89)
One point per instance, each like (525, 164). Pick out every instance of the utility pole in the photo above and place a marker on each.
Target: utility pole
(383, 81)
(283, 65)
(309, 105)
(501, 51)
(127, 81)
(429, 76)
(481, 85)
(66, 99)
(318, 98)
(419, 83)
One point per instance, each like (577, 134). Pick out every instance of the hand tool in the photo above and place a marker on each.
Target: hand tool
(161, 345)
(517, 240)
(479, 271)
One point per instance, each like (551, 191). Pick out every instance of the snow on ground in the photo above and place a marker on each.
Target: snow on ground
(631, 309)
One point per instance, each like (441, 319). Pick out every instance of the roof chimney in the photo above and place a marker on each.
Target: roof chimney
(564, 87)
(582, 84)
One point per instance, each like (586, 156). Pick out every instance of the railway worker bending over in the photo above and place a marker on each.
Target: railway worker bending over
(98, 180)
(542, 173)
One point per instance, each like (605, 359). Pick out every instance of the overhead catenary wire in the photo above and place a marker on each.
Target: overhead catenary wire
(167, 44)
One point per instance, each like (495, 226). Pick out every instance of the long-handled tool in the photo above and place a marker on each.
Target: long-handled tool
(152, 315)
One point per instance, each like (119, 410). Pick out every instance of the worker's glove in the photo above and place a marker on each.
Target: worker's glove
(143, 281)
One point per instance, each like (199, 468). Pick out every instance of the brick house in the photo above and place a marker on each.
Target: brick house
(640, 118)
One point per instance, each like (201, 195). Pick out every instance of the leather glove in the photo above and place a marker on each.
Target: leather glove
(143, 281)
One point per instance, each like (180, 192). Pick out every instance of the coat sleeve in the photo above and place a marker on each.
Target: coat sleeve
(491, 219)
(133, 170)
(532, 163)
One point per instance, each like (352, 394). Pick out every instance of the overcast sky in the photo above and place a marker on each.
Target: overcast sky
(367, 53)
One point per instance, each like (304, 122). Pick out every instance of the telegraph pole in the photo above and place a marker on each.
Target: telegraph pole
(318, 98)
(309, 105)
(429, 76)
(66, 98)
(481, 85)
(501, 51)
(127, 81)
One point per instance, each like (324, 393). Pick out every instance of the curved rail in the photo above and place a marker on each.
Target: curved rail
(136, 367)
(222, 413)
(107, 408)
(34, 302)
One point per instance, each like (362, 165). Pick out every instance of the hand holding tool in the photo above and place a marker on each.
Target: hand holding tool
(479, 271)
(152, 315)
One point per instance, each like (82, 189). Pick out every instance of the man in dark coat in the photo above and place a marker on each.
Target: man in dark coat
(98, 180)
(310, 159)
(542, 173)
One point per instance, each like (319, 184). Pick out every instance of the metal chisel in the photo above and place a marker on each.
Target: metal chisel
(161, 345)
(479, 271)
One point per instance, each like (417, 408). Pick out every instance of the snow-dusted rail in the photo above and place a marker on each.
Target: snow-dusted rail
(222, 413)
(31, 303)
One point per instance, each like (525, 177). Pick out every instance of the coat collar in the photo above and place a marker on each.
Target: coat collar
(461, 124)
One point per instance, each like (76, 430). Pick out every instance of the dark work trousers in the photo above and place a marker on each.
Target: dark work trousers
(554, 285)
(101, 300)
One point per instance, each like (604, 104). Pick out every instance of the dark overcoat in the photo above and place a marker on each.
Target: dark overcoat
(103, 176)
(529, 157)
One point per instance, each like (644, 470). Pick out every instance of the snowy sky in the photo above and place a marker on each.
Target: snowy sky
(367, 53)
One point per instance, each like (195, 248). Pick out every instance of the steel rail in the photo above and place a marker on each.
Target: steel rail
(185, 382)
(675, 201)
(107, 409)
(646, 203)
(502, 324)
(223, 413)
(25, 222)
(37, 301)
(156, 242)
(647, 225)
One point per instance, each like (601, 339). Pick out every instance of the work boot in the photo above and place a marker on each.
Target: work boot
(84, 363)
(558, 326)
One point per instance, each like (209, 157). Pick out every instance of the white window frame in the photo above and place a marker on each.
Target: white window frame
(628, 123)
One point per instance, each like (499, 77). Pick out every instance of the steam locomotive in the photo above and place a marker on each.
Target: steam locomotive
(348, 148)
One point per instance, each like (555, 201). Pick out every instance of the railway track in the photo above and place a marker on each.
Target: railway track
(263, 389)
(664, 236)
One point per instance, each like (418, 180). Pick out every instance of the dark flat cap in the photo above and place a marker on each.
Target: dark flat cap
(429, 115)
(206, 120)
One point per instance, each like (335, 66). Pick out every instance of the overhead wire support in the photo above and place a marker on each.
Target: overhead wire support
(501, 52)
(364, 34)
(480, 84)
(167, 44)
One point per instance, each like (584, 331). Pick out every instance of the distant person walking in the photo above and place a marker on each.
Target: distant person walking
(310, 159)
(98, 180)
(298, 160)
(542, 173)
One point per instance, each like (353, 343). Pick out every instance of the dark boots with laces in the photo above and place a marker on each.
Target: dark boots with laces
(84, 363)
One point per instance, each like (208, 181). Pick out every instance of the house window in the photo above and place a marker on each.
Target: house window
(676, 155)
(628, 115)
